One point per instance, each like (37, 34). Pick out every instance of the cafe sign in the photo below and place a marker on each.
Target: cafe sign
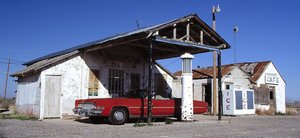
(272, 79)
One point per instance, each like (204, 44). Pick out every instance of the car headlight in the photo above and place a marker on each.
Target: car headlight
(79, 106)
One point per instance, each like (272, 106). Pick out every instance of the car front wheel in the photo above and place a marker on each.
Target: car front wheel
(118, 116)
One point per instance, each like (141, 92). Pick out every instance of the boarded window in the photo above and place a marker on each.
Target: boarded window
(262, 95)
(93, 83)
(160, 85)
(116, 82)
(135, 81)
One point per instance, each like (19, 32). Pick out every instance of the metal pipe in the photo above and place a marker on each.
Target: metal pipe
(149, 105)
(220, 86)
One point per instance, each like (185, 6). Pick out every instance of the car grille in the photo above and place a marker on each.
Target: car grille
(87, 106)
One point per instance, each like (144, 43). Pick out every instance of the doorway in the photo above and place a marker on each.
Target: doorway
(207, 95)
(52, 96)
(272, 98)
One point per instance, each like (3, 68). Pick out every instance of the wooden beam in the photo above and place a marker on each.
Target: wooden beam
(156, 47)
(208, 34)
(201, 37)
(111, 44)
(174, 31)
(188, 31)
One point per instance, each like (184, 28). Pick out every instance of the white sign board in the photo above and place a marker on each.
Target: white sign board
(271, 79)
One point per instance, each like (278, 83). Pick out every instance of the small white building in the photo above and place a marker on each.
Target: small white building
(261, 77)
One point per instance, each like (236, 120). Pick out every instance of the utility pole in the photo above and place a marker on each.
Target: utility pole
(235, 30)
(6, 80)
(214, 11)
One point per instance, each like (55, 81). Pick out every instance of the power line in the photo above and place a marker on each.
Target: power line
(12, 60)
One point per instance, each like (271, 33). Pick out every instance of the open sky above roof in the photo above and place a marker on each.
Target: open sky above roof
(267, 30)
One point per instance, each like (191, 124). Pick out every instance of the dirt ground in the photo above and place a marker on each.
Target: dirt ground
(204, 126)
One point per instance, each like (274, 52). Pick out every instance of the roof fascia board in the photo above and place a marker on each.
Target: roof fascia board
(186, 44)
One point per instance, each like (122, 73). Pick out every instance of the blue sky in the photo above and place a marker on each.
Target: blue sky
(268, 29)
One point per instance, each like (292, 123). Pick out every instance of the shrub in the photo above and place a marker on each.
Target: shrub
(168, 121)
(5, 103)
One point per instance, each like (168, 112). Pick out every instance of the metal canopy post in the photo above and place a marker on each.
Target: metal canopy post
(149, 105)
(220, 86)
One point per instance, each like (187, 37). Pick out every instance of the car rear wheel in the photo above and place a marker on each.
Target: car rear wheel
(118, 116)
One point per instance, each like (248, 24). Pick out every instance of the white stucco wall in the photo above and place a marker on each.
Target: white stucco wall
(71, 83)
(75, 76)
(238, 78)
(279, 88)
(169, 79)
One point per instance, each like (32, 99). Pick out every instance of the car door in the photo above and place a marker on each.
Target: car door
(163, 107)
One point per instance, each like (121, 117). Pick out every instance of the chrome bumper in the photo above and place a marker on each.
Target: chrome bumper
(87, 112)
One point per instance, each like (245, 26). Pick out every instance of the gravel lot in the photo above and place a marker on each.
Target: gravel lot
(204, 126)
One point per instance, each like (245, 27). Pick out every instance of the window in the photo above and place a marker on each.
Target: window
(116, 83)
(93, 83)
(262, 95)
(250, 100)
(187, 66)
(239, 100)
(227, 87)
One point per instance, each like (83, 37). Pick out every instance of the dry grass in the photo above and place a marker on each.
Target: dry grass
(265, 112)
(291, 111)
(6, 103)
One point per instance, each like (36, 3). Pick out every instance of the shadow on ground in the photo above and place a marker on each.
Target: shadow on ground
(129, 121)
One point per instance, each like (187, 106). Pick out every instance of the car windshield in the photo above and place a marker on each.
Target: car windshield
(136, 94)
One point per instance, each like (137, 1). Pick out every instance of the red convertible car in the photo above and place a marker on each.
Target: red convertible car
(132, 105)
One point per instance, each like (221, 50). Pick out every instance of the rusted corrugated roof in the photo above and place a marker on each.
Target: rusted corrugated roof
(253, 69)
(207, 72)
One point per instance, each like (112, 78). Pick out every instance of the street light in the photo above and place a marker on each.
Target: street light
(215, 9)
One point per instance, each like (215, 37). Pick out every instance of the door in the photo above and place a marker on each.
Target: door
(52, 96)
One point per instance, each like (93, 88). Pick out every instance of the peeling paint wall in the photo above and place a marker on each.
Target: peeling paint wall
(28, 95)
(70, 71)
(75, 75)
(238, 79)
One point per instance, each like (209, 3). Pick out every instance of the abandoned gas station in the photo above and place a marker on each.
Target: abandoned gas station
(110, 67)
